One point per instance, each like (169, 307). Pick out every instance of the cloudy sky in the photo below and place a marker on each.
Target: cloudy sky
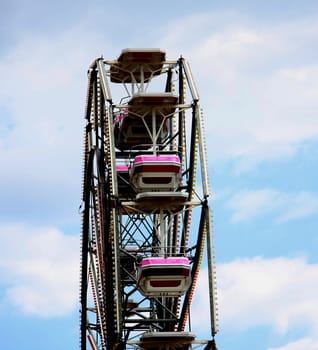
(255, 66)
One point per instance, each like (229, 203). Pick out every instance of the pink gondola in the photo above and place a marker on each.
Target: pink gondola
(166, 340)
(155, 173)
(169, 276)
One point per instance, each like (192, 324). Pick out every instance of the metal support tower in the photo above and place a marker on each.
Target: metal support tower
(142, 105)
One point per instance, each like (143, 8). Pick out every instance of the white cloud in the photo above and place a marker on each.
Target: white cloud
(249, 204)
(305, 343)
(39, 269)
(42, 106)
(279, 293)
(259, 104)
(298, 206)
(44, 98)
(258, 84)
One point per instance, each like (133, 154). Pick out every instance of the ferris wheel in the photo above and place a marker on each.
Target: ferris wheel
(146, 221)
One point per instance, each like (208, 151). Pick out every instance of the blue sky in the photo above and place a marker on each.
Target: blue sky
(255, 66)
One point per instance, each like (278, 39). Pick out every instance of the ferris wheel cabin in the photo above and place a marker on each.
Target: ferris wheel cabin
(169, 276)
(155, 173)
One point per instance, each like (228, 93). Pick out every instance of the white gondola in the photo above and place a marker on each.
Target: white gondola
(155, 173)
(155, 202)
(159, 276)
(145, 121)
(136, 133)
(137, 65)
(148, 105)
